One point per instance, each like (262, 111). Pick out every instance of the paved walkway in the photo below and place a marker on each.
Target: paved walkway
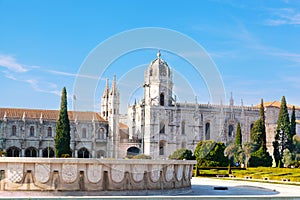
(201, 188)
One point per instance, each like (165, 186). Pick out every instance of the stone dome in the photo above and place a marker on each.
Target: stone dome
(159, 67)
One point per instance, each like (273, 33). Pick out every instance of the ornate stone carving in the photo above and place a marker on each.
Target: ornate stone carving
(15, 172)
(187, 172)
(179, 172)
(94, 173)
(138, 172)
(117, 173)
(169, 173)
(155, 173)
(42, 172)
(69, 173)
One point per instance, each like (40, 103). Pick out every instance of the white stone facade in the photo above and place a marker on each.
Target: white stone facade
(155, 126)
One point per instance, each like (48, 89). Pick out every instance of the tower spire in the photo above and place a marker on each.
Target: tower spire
(114, 85)
(106, 90)
(158, 54)
(231, 102)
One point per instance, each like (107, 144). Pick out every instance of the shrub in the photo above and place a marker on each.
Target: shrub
(211, 154)
(141, 156)
(66, 155)
(260, 158)
(182, 154)
(2, 153)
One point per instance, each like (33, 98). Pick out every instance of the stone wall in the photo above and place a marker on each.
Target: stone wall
(73, 174)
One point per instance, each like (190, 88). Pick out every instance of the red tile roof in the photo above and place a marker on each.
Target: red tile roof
(276, 104)
(17, 113)
(123, 126)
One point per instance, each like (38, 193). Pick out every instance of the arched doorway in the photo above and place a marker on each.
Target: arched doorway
(132, 151)
(31, 152)
(83, 153)
(48, 152)
(13, 152)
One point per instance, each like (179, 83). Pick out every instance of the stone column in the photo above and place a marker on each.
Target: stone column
(23, 152)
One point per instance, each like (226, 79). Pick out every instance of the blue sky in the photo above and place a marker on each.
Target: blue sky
(255, 45)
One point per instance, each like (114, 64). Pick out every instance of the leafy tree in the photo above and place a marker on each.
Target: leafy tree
(296, 141)
(62, 138)
(287, 157)
(260, 158)
(210, 154)
(182, 154)
(248, 150)
(283, 139)
(230, 151)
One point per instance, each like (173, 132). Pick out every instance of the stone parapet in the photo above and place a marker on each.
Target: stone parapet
(73, 174)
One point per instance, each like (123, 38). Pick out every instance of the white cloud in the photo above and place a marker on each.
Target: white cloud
(72, 74)
(284, 16)
(10, 63)
(17, 72)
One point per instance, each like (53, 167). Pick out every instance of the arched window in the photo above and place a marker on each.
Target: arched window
(83, 134)
(101, 134)
(14, 130)
(13, 152)
(132, 151)
(48, 152)
(49, 132)
(162, 99)
(183, 127)
(207, 131)
(31, 152)
(83, 153)
(162, 128)
(230, 130)
(162, 145)
(31, 132)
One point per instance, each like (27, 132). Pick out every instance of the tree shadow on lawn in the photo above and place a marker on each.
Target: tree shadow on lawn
(231, 190)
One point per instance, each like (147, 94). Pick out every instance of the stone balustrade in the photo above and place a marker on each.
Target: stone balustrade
(73, 174)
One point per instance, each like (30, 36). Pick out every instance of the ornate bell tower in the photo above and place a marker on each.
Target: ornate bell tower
(158, 84)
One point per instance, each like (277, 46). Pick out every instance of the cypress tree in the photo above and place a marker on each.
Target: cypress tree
(239, 155)
(263, 121)
(260, 156)
(62, 138)
(283, 139)
(262, 111)
(293, 129)
(257, 134)
(238, 136)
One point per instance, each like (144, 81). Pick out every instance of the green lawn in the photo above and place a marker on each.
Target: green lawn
(260, 173)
